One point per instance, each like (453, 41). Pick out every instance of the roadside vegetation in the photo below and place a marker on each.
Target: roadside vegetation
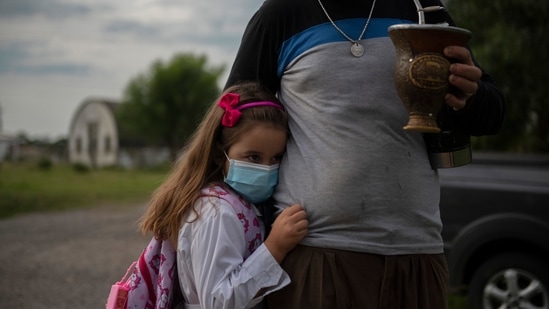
(42, 186)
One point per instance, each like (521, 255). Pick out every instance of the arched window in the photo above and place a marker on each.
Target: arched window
(78, 145)
(108, 146)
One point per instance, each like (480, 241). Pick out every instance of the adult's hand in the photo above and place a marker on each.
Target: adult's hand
(464, 75)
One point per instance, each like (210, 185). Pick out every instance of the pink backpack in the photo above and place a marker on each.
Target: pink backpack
(151, 281)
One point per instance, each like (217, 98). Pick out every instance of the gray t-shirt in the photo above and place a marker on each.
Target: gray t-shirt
(366, 184)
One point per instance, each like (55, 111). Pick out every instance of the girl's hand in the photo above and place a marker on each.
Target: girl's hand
(464, 75)
(289, 228)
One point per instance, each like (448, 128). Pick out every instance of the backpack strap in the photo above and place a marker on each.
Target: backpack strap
(143, 271)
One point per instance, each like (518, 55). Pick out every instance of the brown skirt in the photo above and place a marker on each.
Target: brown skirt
(337, 279)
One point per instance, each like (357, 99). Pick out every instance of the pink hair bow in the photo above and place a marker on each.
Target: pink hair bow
(228, 102)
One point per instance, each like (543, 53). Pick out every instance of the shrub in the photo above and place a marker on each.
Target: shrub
(44, 164)
(80, 168)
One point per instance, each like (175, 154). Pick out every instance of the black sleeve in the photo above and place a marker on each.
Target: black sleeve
(485, 111)
(256, 59)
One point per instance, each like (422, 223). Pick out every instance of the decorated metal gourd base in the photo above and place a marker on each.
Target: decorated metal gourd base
(421, 71)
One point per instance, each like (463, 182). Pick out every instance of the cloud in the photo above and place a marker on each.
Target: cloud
(51, 9)
(73, 49)
(16, 59)
(134, 28)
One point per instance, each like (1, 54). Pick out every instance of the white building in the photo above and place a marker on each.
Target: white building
(9, 148)
(93, 135)
(9, 145)
(95, 140)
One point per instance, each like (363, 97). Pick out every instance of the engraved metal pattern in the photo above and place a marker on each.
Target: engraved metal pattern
(429, 72)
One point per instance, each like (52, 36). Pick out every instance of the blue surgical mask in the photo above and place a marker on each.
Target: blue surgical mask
(254, 182)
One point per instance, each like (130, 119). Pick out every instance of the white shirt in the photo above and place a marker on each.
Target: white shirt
(210, 260)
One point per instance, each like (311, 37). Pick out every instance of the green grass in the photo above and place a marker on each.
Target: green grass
(32, 187)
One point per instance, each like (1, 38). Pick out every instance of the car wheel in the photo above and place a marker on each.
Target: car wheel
(510, 280)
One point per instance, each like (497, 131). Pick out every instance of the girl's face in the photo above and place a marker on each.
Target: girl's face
(262, 144)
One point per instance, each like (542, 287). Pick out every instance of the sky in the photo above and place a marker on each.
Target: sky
(54, 54)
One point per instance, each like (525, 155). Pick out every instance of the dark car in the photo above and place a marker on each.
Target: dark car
(495, 213)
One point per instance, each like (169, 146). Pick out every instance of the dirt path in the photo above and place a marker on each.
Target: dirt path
(69, 259)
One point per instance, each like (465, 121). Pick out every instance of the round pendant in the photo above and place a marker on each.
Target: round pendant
(357, 50)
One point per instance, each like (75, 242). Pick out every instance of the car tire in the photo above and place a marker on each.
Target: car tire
(510, 280)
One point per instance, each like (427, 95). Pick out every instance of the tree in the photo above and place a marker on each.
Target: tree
(510, 41)
(165, 104)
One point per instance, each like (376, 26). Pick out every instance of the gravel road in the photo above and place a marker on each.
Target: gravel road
(68, 259)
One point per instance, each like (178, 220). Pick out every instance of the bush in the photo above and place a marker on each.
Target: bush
(44, 164)
(80, 168)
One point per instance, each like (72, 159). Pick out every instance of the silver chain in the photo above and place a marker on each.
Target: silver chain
(341, 31)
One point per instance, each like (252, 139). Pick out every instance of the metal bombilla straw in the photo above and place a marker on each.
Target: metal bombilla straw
(421, 11)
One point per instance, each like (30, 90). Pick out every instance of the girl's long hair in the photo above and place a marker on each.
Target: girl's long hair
(202, 160)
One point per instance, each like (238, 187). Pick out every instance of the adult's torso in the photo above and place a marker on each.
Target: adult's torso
(365, 182)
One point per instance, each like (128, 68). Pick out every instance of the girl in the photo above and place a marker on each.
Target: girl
(206, 205)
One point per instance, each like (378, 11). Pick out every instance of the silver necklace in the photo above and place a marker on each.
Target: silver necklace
(356, 48)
